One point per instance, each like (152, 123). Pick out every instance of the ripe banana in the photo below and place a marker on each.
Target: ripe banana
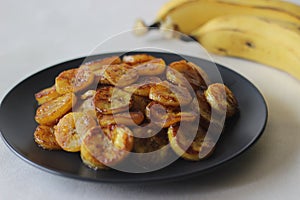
(188, 15)
(264, 40)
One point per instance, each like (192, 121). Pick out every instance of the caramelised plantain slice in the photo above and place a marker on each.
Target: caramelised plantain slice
(156, 139)
(139, 103)
(136, 58)
(120, 135)
(71, 128)
(100, 77)
(49, 113)
(44, 137)
(153, 67)
(195, 76)
(165, 117)
(74, 80)
(199, 102)
(86, 157)
(87, 104)
(127, 118)
(208, 117)
(107, 147)
(98, 67)
(152, 150)
(99, 64)
(111, 100)
(143, 85)
(46, 95)
(88, 94)
(176, 77)
(121, 75)
(201, 147)
(169, 94)
(221, 98)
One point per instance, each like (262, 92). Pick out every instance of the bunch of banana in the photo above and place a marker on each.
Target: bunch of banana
(188, 15)
(264, 31)
(267, 41)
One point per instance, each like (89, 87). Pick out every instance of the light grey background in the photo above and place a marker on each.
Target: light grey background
(36, 34)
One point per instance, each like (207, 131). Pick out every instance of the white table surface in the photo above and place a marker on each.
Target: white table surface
(36, 34)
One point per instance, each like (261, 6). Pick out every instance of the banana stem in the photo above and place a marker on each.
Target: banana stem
(140, 28)
(154, 25)
(168, 29)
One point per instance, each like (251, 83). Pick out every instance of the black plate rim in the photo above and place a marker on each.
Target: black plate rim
(169, 178)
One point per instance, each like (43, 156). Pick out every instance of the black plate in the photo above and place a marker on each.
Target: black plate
(17, 126)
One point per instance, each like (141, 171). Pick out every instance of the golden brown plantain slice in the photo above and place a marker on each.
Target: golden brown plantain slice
(152, 150)
(121, 136)
(208, 118)
(176, 77)
(100, 77)
(127, 118)
(88, 94)
(153, 67)
(49, 113)
(87, 104)
(46, 95)
(165, 117)
(169, 94)
(106, 147)
(142, 86)
(192, 73)
(221, 98)
(74, 80)
(121, 75)
(157, 139)
(200, 148)
(99, 64)
(86, 157)
(202, 106)
(111, 100)
(44, 137)
(136, 59)
(98, 67)
(71, 128)
(139, 103)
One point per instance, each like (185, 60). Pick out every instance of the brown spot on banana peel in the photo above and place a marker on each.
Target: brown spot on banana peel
(222, 51)
(250, 44)
(287, 66)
